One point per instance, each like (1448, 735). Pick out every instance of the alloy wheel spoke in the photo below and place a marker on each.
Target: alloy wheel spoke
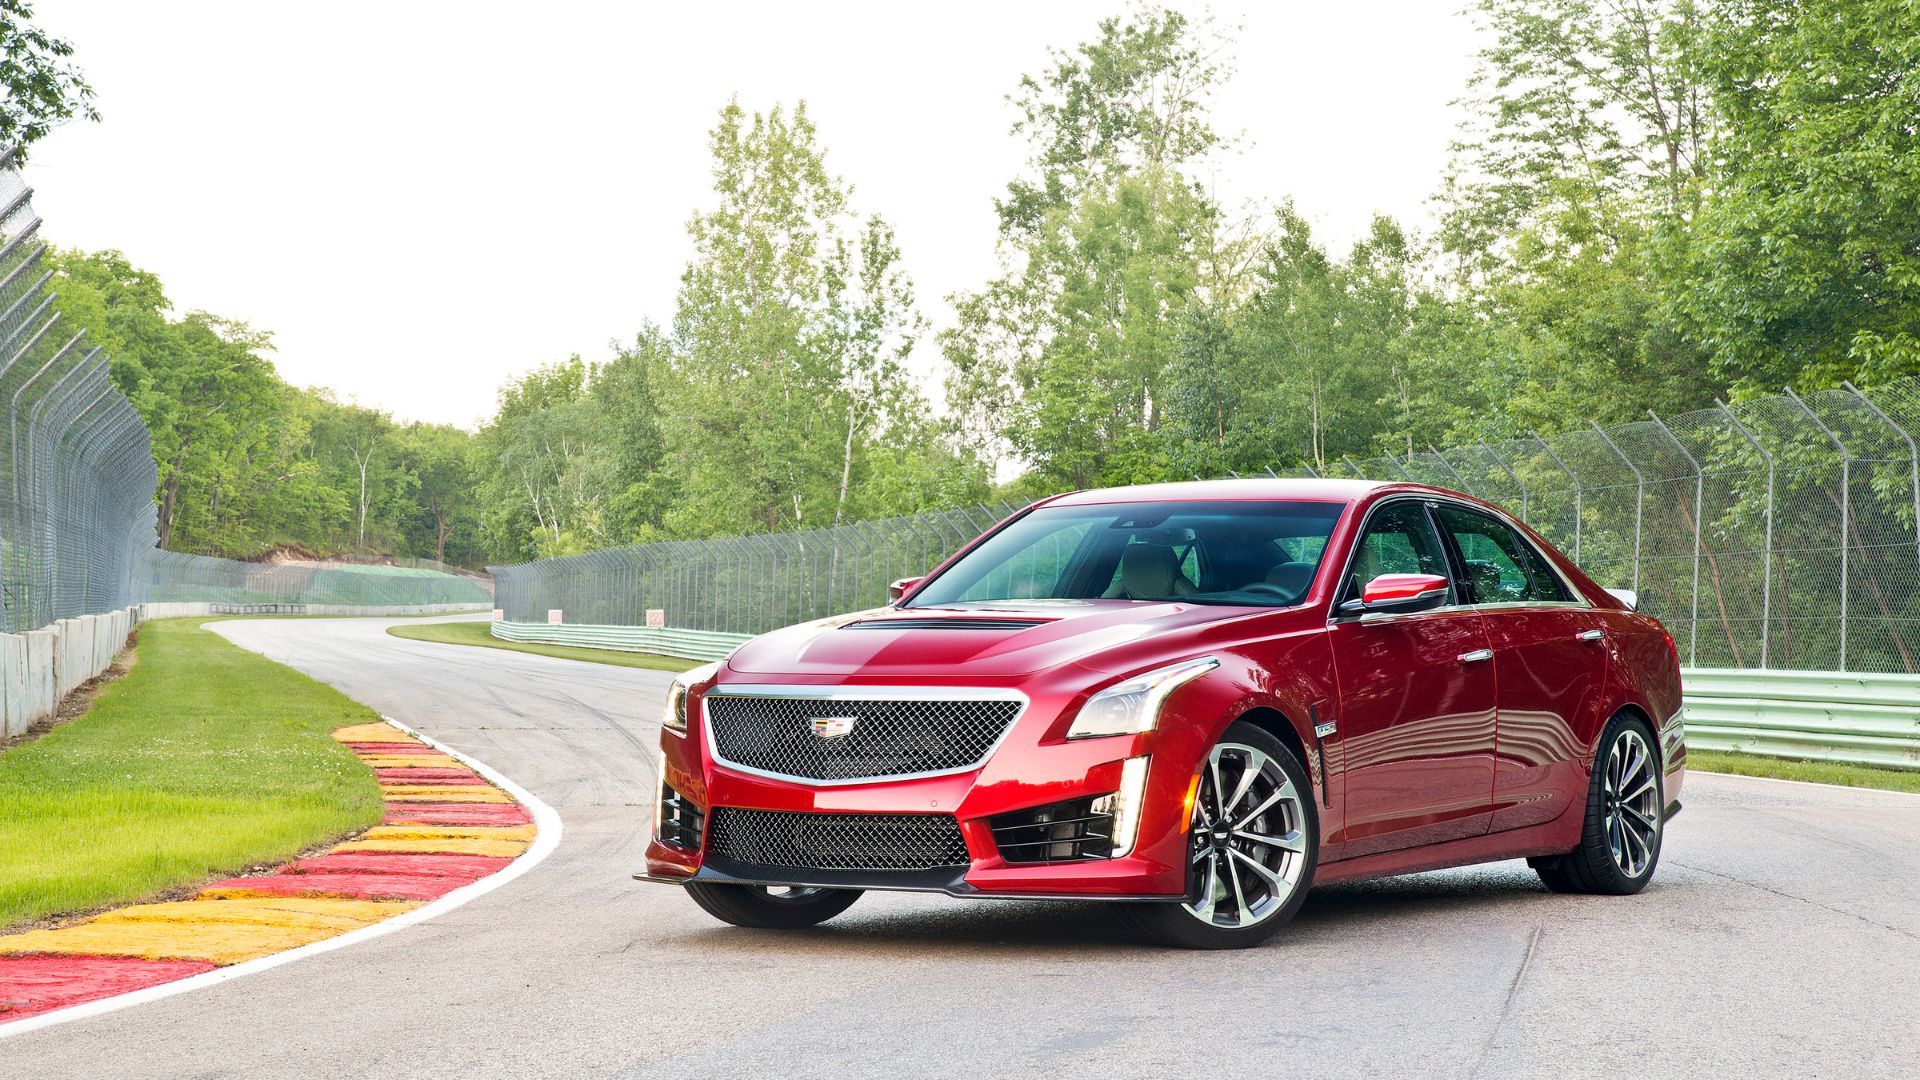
(1645, 822)
(1636, 849)
(1239, 894)
(1219, 808)
(1284, 791)
(1636, 760)
(1211, 885)
(1256, 763)
(1276, 885)
(1645, 785)
(1289, 841)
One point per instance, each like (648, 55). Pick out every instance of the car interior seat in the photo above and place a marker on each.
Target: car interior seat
(1149, 572)
(1485, 578)
(1293, 577)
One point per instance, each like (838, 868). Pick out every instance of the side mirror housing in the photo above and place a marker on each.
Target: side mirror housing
(902, 587)
(1398, 594)
(1627, 597)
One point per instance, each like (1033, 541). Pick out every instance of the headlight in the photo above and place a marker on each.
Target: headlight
(1133, 705)
(674, 719)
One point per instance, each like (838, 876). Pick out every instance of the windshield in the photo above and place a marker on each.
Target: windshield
(1255, 554)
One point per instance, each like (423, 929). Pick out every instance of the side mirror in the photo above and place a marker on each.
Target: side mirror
(902, 587)
(1627, 597)
(1398, 594)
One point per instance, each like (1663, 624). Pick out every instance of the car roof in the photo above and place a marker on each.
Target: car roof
(1251, 489)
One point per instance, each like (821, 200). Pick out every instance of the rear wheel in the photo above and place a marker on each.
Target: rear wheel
(771, 907)
(1620, 842)
(1252, 844)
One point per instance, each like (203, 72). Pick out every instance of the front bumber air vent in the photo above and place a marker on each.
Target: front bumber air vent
(821, 841)
(680, 822)
(1072, 831)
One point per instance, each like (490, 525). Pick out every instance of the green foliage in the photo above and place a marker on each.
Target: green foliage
(1650, 205)
(248, 463)
(1804, 266)
(43, 87)
(779, 398)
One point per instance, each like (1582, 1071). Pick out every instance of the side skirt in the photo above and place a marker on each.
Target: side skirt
(1492, 847)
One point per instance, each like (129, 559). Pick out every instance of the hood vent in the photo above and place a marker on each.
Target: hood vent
(945, 624)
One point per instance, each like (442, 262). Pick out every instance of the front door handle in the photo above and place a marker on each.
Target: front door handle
(1476, 656)
(1590, 635)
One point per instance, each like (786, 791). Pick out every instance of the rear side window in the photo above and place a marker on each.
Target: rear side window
(1500, 566)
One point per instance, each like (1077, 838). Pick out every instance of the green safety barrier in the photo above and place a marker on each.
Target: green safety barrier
(691, 644)
(1870, 719)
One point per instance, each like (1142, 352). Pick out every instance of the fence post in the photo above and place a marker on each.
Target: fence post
(1699, 519)
(1639, 495)
(1397, 467)
(1442, 458)
(1913, 456)
(1579, 500)
(1846, 516)
(1766, 563)
(1511, 475)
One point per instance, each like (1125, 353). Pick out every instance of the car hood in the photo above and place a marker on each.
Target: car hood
(998, 641)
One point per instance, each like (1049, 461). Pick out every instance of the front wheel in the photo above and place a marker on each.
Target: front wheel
(1620, 840)
(1252, 844)
(767, 907)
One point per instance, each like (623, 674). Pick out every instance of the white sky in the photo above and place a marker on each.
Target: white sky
(420, 200)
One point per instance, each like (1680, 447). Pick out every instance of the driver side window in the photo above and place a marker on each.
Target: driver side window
(1399, 540)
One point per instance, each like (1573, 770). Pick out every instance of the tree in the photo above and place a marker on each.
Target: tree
(1804, 265)
(43, 87)
(437, 458)
(1108, 243)
(787, 359)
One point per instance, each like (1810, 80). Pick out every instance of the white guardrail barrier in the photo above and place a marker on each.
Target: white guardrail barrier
(1829, 716)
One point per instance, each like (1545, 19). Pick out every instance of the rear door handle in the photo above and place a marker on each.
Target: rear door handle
(1476, 656)
(1590, 635)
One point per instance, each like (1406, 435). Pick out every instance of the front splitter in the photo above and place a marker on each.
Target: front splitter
(948, 880)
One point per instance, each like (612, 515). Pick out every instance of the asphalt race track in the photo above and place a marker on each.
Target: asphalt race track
(1780, 938)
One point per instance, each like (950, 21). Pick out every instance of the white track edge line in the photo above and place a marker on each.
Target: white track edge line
(1693, 771)
(546, 838)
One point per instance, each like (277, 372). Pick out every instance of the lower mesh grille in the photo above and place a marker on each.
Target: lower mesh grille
(837, 841)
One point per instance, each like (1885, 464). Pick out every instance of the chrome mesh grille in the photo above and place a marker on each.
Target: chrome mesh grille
(888, 737)
(837, 841)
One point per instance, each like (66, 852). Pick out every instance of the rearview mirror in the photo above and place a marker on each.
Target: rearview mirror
(1398, 594)
(902, 587)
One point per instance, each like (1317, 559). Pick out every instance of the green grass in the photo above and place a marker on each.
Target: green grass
(204, 760)
(480, 633)
(1814, 772)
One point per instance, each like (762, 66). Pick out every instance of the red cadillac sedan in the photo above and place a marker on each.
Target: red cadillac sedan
(1195, 699)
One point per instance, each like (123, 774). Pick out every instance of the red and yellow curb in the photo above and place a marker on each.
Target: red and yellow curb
(445, 826)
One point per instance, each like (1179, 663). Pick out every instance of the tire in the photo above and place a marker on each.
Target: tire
(1620, 839)
(1269, 881)
(761, 907)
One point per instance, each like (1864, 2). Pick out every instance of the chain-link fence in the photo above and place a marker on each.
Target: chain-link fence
(76, 470)
(77, 478)
(1780, 532)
